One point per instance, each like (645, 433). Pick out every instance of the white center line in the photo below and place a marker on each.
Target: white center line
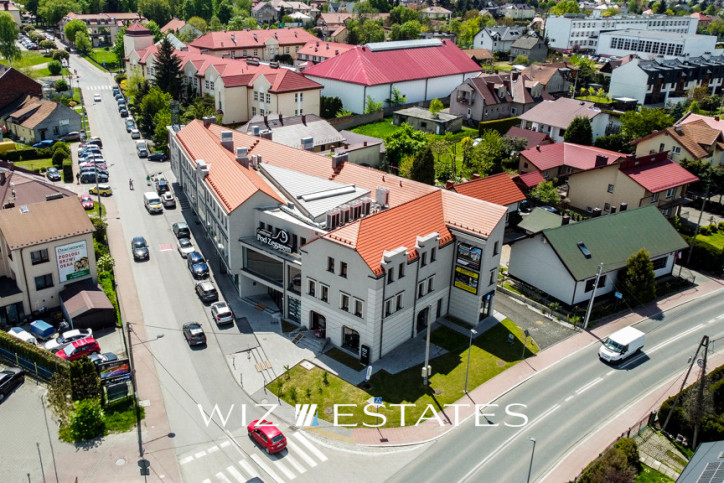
(568, 398)
(673, 339)
(236, 474)
(266, 468)
(589, 385)
(249, 469)
(186, 460)
(310, 446)
(298, 451)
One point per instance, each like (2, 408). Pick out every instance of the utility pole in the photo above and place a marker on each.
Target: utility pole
(704, 343)
(698, 223)
(700, 396)
(426, 369)
(593, 296)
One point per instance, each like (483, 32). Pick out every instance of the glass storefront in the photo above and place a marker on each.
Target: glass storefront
(264, 266)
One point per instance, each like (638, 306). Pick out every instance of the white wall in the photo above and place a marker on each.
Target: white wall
(352, 95)
(629, 80)
(694, 46)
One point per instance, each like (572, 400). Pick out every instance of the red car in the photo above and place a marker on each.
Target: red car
(267, 436)
(86, 202)
(80, 348)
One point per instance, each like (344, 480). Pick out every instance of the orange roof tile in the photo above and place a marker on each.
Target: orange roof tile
(696, 136)
(498, 189)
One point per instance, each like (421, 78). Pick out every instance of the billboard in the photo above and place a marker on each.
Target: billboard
(466, 280)
(114, 370)
(469, 256)
(72, 261)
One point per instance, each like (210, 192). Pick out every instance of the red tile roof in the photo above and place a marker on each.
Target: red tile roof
(364, 66)
(657, 173)
(327, 50)
(567, 154)
(498, 189)
(249, 39)
(712, 122)
(534, 138)
(532, 179)
(137, 27)
(174, 24)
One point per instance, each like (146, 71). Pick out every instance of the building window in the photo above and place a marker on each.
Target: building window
(358, 308)
(390, 275)
(423, 259)
(495, 248)
(670, 193)
(256, 96)
(492, 277)
(324, 295)
(433, 255)
(438, 311)
(344, 304)
(661, 147)
(675, 149)
(388, 308)
(206, 84)
(268, 97)
(654, 197)
(39, 256)
(545, 174)
(330, 264)
(601, 283)
(253, 111)
(607, 207)
(659, 263)
(343, 269)
(212, 85)
(430, 284)
(399, 301)
(420, 289)
(401, 270)
(312, 288)
(610, 188)
(43, 281)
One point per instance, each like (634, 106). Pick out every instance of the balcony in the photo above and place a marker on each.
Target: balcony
(465, 100)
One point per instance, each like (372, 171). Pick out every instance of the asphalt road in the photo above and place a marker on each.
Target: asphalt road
(565, 404)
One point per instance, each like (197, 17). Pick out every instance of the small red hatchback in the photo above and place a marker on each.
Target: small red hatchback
(267, 436)
(79, 348)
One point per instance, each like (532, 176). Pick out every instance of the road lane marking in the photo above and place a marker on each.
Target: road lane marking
(310, 446)
(249, 469)
(588, 386)
(509, 441)
(200, 454)
(298, 451)
(610, 372)
(188, 459)
(296, 464)
(674, 339)
(266, 468)
(568, 398)
(236, 474)
(221, 477)
(720, 317)
(213, 449)
(206, 481)
(277, 463)
(225, 444)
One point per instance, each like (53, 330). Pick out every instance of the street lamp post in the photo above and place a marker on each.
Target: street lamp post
(530, 467)
(470, 349)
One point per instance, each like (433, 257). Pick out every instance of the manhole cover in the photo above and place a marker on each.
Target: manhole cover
(500, 363)
(327, 410)
(120, 462)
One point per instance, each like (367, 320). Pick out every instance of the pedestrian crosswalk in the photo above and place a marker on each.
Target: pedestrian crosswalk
(300, 456)
(98, 88)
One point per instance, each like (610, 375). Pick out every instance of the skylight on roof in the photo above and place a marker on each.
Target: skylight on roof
(586, 252)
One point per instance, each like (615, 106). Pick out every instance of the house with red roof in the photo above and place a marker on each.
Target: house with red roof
(691, 140)
(498, 189)
(564, 159)
(362, 257)
(264, 45)
(421, 70)
(532, 138)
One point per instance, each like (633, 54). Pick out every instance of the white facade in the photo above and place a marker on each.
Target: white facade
(648, 44)
(568, 32)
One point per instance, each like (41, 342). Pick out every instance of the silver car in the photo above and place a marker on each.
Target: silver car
(221, 313)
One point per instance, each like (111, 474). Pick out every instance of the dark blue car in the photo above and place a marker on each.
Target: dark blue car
(197, 265)
(46, 143)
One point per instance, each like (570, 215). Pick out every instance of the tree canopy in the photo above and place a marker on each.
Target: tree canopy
(423, 167)
(546, 194)
(72, 28)
(579, 132)
(53, 10)
(406, 141)
(637, 281)
(168, 69)
(637, 124)
(8, 34)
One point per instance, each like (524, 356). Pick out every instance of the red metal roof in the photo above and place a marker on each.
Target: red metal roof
(567, 154)
(656, 174)
(498, 189)
(363, 66)
(245, 39)
(532, 179)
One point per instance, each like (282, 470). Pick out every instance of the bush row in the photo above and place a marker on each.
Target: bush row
(711, 206)
(706, 256)
(500, 125)
(41, 357)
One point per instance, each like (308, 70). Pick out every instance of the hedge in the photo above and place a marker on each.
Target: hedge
(29, 351)
(106, 281)
(21, 154)
(68, 170)
(706, 256)
(500, 125)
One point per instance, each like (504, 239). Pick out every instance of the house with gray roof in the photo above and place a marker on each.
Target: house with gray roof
(424, 120)
(562, 261)
(306, 131)
(497, 39)
(531, 46)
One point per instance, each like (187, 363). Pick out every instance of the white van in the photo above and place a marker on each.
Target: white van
(23, 335)
(142, 149)
(621, 345)
(152, 202)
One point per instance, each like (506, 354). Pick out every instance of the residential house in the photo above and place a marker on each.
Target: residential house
(438, 34)
(482, 57)
(319, 51)
(265, 45)
(518, 11)
(608, 67)
(102, 27)
(20, 187)
(497, 39)
(424, 120)
(661, 82)
(527, 181)
(563, 261)
(15, 85)
(556, 77)
(265, 13)
(335, 247)
(693, 140)
(421, 70)
(329, 22)
(33, 119)
(554, 117)
(496, 96)
(704, 20)
(436, 13)
(667, 44)
(8, 6)
(532, 138)
(361, 149)
(715, 122)
(498, 189)
(306, 131)
(530, 46)
(705, 459)
(565, 159)
(178, 27)
(274, 10)
(46, 246)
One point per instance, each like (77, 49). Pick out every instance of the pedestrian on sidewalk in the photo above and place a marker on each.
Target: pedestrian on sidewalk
(77, 178)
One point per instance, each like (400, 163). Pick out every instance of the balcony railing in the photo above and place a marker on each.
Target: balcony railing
(465, 100)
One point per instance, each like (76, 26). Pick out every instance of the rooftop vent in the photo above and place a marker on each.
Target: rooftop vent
(582, 246)
(382, 196)
(266, 134)
(53, 196)
(227, 140)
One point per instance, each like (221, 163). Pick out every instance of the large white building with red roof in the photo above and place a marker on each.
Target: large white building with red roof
(421, 70)
(362, 257)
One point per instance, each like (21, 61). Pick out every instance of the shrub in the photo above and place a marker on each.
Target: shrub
(61, 146)
(713, 228)
(60, 85)
(106, 281)
(68, 170)
(87, 422)
(21, 154)
(629, 447)
(705, 231)
(105, 263)
(33, 353)
(54, 67)
(58, 158)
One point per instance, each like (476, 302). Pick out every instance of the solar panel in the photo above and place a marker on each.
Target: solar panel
(713, 473)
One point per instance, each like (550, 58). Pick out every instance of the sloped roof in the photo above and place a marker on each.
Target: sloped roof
(23, 187)
(244, 39)
(498, 189)
(657, 173)
(530, 180)
(174, 24)
(324, 49)
(561, 112)
(534, 138)
(695, 136)
(544, 72)
(31, 111)
(612, 239)
(335, 18)
(290, 130)
(568, 154)
(539, 220)
(397, 62)
(527, 42)
(712, 122)
(137, 27)
(480, 54)
(44, 222)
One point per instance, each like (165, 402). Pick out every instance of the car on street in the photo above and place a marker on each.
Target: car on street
(194, 333)
(102, 189)
(86, 202)
(139, 247)
(101, 358)
(135, 134)
(162, 186)
(72, 136)
(9, 380)
(206, 291)
(67, 337)
(181, 230)
(44, 144)
(78, 349)
(96, 98)
(197, 265)
(267, 435)
(53, 174)
(168, 200)
(221, 313)
(130, 125)
(184, 247)
(157, 156)
(123, 112)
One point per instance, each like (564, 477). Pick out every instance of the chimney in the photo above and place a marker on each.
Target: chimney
(678, 130)
(227, 140)
(209, 120)
(338, 159)
(382, 196)
(601, 160)
(506, 83)
(449, 184)
(565, 220)
(242, 156)
(304, 119)
(266, 120)
(538, 147)
(514, 76)
(623, 207)
(490, 86)
(476, 176)
(613, 210)
(364, 143)
(716, 118)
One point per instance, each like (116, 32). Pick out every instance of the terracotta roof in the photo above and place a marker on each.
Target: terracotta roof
(436, 10)
(324, 49)
(22, 187)
(335, 18)
(44, 222)
(561, 112)
(544, 72)
(137, 27)
(174, 24)
(373, 67)
(534, 138)
(32, 111)
(695, 136)
(712, 122)
(480, 54)
(498, 189)
(245, 39)
(530, 180)
(568, 154)
(656, 174)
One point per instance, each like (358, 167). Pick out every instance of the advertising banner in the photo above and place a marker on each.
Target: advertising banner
(466, 280)
(72, 261)
(114, 370)
(469, 256)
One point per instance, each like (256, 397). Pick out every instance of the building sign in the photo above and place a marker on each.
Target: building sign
(72, 261)
(114, 370)
(281, 241)
(466, 280)
(469, 257)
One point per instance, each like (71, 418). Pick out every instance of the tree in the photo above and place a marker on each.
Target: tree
(199, 23)
(521, 60)
(435, 107)
(82, 42)
(153, 102)
(397, 98)
(200, 108)
(84, 380)
(8, 34)
(637, 281)
(642, 123)
(329, 107)
(118, 48)
(406, 141)
(161, 120)
(215, 24)
(224, 11)
(579, 132)
(54, 67)
(32, 6)
(410, 30)
(371, 105)
(564, 7)
(155, 30)
(546, 194)
(58, 398)
(241, 23)
(87, 420)
(610, 11)
(402, 14)
(615, 142)
(60, 55)
(168, 69)
(47, 45)
(423, 167)
(157, 10)
(60, 85)
(52, 11)
(72, 28)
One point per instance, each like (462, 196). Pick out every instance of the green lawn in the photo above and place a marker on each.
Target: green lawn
(491, 354)
(716, 239)
(33, 164)
(602, 100)
(650, 475)
(101, 55)
(46, 73)
(29, 58)
(380, 129)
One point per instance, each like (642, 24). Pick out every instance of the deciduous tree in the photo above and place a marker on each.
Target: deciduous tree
(84, 380)
(8, 34)
(546, 194)
(637, 281)
(579, 132)
(406, 141)
(637, 124)
(82, 42)
(72, 28)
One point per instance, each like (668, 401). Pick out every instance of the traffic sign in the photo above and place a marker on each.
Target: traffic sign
(378, 401)
(700, 362)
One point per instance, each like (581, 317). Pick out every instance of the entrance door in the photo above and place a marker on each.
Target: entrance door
(422, 317)
(319, 325)
(485, 305)
(277, 297)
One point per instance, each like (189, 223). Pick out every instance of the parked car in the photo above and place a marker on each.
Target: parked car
(44, 144)
(549, 209)
(100, 174)
(168, 200)
(104, 189)
(123, 112)
(194, 333)
(181, 230)
(130, 125)
(101, 358)
(267, 435)
(72, 136)
(221, 313)
(86, 202)
(78, 349)
(158, 156)
(139, 247)
(95, 141)
(96, 98)
(197, 265)
(135, 134)
(53, 174)
(9, 380)
(184, 247)
(206, 291)
(162, 186)
(66, 337)
(88, 148)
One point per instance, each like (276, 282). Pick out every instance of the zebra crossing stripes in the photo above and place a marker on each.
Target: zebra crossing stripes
(249, 469)
(266, 468)
(310, 446)
(236, 474)
(98, 88)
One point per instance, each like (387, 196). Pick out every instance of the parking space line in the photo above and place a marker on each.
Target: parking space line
(266, 468)
(298, 451)
(249, 469)
(310, 446)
